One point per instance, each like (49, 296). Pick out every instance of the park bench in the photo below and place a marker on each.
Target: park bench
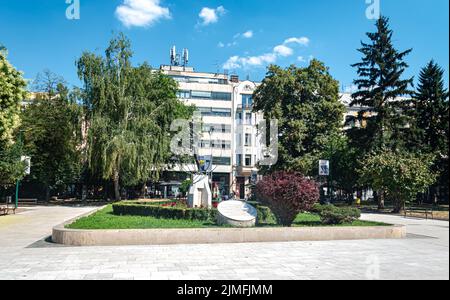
(28, 202)
(3, 210)
(427, 209)
(6, 208)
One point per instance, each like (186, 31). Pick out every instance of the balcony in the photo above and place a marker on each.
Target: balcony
(244, 171)
(245, 107)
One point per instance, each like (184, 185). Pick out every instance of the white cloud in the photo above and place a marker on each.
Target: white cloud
(141, 13)
(248, 34)
(211, 15)
(351, 89)
(237, 62)
(302, 41)
(221, 45)
(280, 51)
(283, 50)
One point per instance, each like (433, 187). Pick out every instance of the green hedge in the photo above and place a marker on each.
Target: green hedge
(158, 211)
(332, 215)
(265, 215)
(145, 209)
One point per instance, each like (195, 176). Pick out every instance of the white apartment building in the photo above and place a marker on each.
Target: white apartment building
(229, 131)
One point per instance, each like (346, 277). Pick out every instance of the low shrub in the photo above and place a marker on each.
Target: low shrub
(332, 215)
(163, 211)
(287, 194)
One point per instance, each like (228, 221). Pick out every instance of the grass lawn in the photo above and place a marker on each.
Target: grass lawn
(105, 219)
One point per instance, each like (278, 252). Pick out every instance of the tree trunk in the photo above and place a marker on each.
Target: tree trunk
(381, 204)
(116, 186)
(398, 206)
(47, 193)
(143, 191)
(84, 194)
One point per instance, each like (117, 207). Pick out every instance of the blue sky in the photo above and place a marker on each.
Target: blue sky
(244, 35)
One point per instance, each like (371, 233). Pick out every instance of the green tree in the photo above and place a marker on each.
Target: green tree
(399, 175)
(12, 92)
(432, 109)
(11, 166)
(305, 101)
(344, 163)
(431, 103)
(380, 85)
(52, 132)
(129, 112)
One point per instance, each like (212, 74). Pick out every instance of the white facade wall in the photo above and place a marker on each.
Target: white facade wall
(234, 137)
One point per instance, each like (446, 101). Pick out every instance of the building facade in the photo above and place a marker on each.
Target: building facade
(229, 127)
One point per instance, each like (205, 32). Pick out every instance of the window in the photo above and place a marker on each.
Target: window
(248, 160)
(215, 112)
(222, 161)
(247, 101)
(184, 94)
(248, 140)
(201, 95)
(216, 128)
(239, 160)
(226, 145)
(204, 144)
(221, 96)
(218, 96)
(239, 140)
(200, 80)
(248, 118)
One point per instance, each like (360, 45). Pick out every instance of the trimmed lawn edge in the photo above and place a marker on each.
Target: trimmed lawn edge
(130, 237)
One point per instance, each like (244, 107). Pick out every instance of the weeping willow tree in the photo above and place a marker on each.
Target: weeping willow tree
(129, 112)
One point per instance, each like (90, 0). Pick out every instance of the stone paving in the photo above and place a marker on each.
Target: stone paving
(24, 255)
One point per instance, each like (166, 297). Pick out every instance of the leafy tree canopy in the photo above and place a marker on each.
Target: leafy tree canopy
(129, 111)
(401, 175)
(306, 103)
(12, 92)
(52, 133)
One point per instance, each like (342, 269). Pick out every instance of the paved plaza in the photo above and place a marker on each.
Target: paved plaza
(24, 254)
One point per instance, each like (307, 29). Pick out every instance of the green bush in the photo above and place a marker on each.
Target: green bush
(332, 215)
(265, 214)
(161, 212)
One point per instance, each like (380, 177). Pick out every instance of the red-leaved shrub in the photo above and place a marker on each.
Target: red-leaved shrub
(287, 194)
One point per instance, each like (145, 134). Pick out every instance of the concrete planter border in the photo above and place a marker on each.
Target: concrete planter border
(73, 237)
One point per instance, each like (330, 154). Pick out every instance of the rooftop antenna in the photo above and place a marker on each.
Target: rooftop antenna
(185, 57)
(173, 56)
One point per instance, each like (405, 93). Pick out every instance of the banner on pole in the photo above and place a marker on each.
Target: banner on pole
(324, 168)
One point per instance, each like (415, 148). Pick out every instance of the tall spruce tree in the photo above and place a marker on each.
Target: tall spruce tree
(431, 103)
(432, 109)
(380, 85)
